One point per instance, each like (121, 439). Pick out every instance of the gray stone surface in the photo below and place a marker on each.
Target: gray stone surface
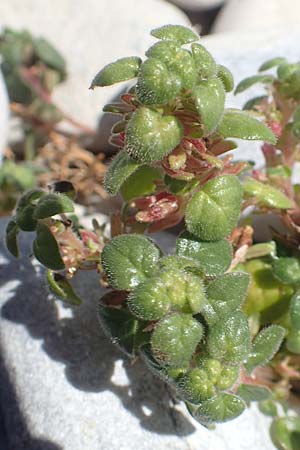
(197, 5)
(4, 113)
(64, 386)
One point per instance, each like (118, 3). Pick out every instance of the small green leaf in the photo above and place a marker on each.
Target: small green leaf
(171, 289)
(213, 211)
(165, 51)
(141, 182)
(283, 430)
(221, 408)
(268, 407)
(49, 55)
(128, 260)
(265, 345)
(151, 136)
(204, 61)
(12, 231)
(209, 96)
(262, 249)
(272, 63)
(253, 393)
(122, 328)
(250, 81)
(229, 339)
(120, 168)
(213, 258)
(26, 208)
(46, 250)
(156, 368)
(175, 338)
(296, 123)
(225, 295)
(294, 311)
(287, 270)
(285, 70)
(266, 195)
(238, 124)
(178, 33)
(121, 70)
(293, 342)
(52, 204)
(253, 102)
(226, 77)
(60, 286)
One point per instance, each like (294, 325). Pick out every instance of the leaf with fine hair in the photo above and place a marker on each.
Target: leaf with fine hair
(12, 231)
(266, 195)
(204, 61)
(253, 393)
(287, 270)
(209, 97)
(141, 182)
(52, 204)
(178, 33)
(61, 288)
(221, 408)
(46, 250)
(226, 77)
(120, 168)
(121, 70)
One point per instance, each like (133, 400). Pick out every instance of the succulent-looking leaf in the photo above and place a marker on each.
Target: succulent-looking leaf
(266, 195)
(287, 270)
(61, 288)
(181, 263)
(122, 328)
(213, 258)
(225, 295)
(272, 63)
(204, 61)
(221, 408)
(121, 70)
(46, 250)
(294, 311)
(229, 339)
(49, 55)
(209, 96)
(226, 77)
(265, 345)
(150, 136)
(141, 182)
(262, 249)
(171, 289)
(213, 211)
(52, 204)
(256, 101)
(128, 260)
(12, 231)
(175, 338)
(283, 430)
(178, 33)
(253, 393)
(121, 167)
(250, 81)
(165, 51)
(238, 124)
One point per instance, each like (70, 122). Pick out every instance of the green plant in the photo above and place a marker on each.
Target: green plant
(183, 313)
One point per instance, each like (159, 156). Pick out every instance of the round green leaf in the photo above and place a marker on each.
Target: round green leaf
(52, 204)
(266, 195)
(213, 211)
(204, 61)
(150, 136)
(238, 124)
(209, 97)
(121, 70)
(128, 260)
(46, 250)
(213, 258)
(226, 77)
(120, 168)
(175, 338)
(141, 182)
(196, 386)
(287, 270)
(221, 408)
(178, 33)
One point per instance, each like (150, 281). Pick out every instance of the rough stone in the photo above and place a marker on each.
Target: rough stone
(4, 113)
(64, 386)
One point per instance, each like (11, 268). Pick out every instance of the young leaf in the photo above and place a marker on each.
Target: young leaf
(12, 231)
(121, 167)
(226, 77)
(229, 339)
(266, 195)
(213, 258)
(25, 209)
(122, 328)
(271, 63)
(221, 408)
(141, 182)
(175, 338)
(150, 136)
(265, 345)
(121, 70)
(156, 368)
(46, 250)
(49, 55)
(282, 431)
(52, 204)
(287, 270)
(178, 33)
(196, 386)
(128, 260)
(238, 124)
(253, 393)
(250, 81)
(204, 61)
(225, 295)
(165, 51)
(209, 96)
(61, 288)
(293, 342)
(294, 311)
(213, 211)
(268, 407)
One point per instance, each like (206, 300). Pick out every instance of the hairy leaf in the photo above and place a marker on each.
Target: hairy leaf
(25, 209)
(209, 96)
(226, 77)
(46, 250)
(287, 270)
(250, 81)
(121, 70)
(12, 231)
(221, 408)
(253, 393)
(121, 167)
(61, 288)
(266, 195)
(178, 33)
(52, 204)
(141, 182)
(294, 311)
(204, 61)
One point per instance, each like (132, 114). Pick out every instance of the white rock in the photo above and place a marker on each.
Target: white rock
(91, 34)
(245, 15)
(198, 5)
(4, 113)
(71, 389)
